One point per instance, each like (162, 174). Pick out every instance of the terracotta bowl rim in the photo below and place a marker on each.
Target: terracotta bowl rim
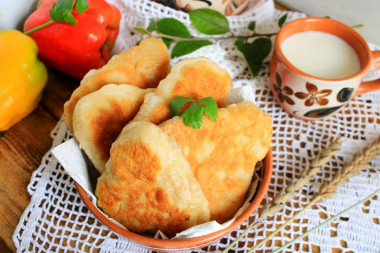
(190, 243)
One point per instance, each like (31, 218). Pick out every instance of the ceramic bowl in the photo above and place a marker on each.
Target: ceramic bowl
(167, 245)
(227, 7)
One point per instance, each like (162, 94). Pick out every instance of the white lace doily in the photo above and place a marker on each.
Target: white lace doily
(57, 219)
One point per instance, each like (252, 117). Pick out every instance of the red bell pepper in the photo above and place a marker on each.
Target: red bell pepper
(75, 49)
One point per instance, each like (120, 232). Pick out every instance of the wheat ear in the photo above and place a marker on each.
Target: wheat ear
(327, 221)
(328, 189)
(291, 191)
(359, 162)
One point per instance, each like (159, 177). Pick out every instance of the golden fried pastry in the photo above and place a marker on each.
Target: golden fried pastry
(142, 66)
(194, 77)
(100, 116)
(222, 155)
(148, 184)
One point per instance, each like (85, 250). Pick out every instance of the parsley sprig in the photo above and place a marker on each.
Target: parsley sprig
(194, 113)
(61, 11)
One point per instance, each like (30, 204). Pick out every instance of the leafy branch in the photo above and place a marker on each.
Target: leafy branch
(210, 22)
(61, 11)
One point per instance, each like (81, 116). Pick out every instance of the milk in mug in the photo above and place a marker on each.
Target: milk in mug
(321, 55)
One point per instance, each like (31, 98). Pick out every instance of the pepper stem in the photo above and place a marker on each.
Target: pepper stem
(39, 27)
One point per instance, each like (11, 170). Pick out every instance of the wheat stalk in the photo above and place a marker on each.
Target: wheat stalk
(326, 221)
(328, 189)
(359, 162)
(291, 191)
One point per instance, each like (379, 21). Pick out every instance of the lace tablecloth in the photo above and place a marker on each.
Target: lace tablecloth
(57, 219)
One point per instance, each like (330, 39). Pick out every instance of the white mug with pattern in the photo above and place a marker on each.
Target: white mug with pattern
(309, 97)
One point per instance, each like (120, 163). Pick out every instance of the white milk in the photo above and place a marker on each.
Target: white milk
(321, 54)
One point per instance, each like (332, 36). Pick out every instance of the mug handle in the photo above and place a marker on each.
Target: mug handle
(372, 85)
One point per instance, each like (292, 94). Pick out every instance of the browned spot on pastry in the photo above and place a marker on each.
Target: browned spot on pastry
(100, 116)
(148, 184)
(201, 81)
(108, 125)
(142, 66)
(144, 166)
(222, 155)
(195, 78)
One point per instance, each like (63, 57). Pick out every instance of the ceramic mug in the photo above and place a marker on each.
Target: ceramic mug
(309, 97)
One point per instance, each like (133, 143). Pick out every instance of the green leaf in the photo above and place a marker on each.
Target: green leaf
(69, 18)
(63, 6)
(152, 25)
(173, 27)
(167, 42)
(140, 30)
(81, 6)
(211, 108)
(238, 41)
(61, 12)
(254, 53)
(282, 20)
(208, 21)
(193, 115)
(188, 46)
(264, 46)
(177, 103)
(252, 25)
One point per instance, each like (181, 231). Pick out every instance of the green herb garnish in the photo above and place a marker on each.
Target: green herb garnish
(61, 11)
(194, 113)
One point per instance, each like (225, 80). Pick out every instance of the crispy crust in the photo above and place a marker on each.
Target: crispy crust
(148, 184)
(142, 66)
(100, 116)
(194, 77)
(222, 155)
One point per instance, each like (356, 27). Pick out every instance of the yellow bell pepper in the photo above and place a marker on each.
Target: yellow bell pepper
(22, 77)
